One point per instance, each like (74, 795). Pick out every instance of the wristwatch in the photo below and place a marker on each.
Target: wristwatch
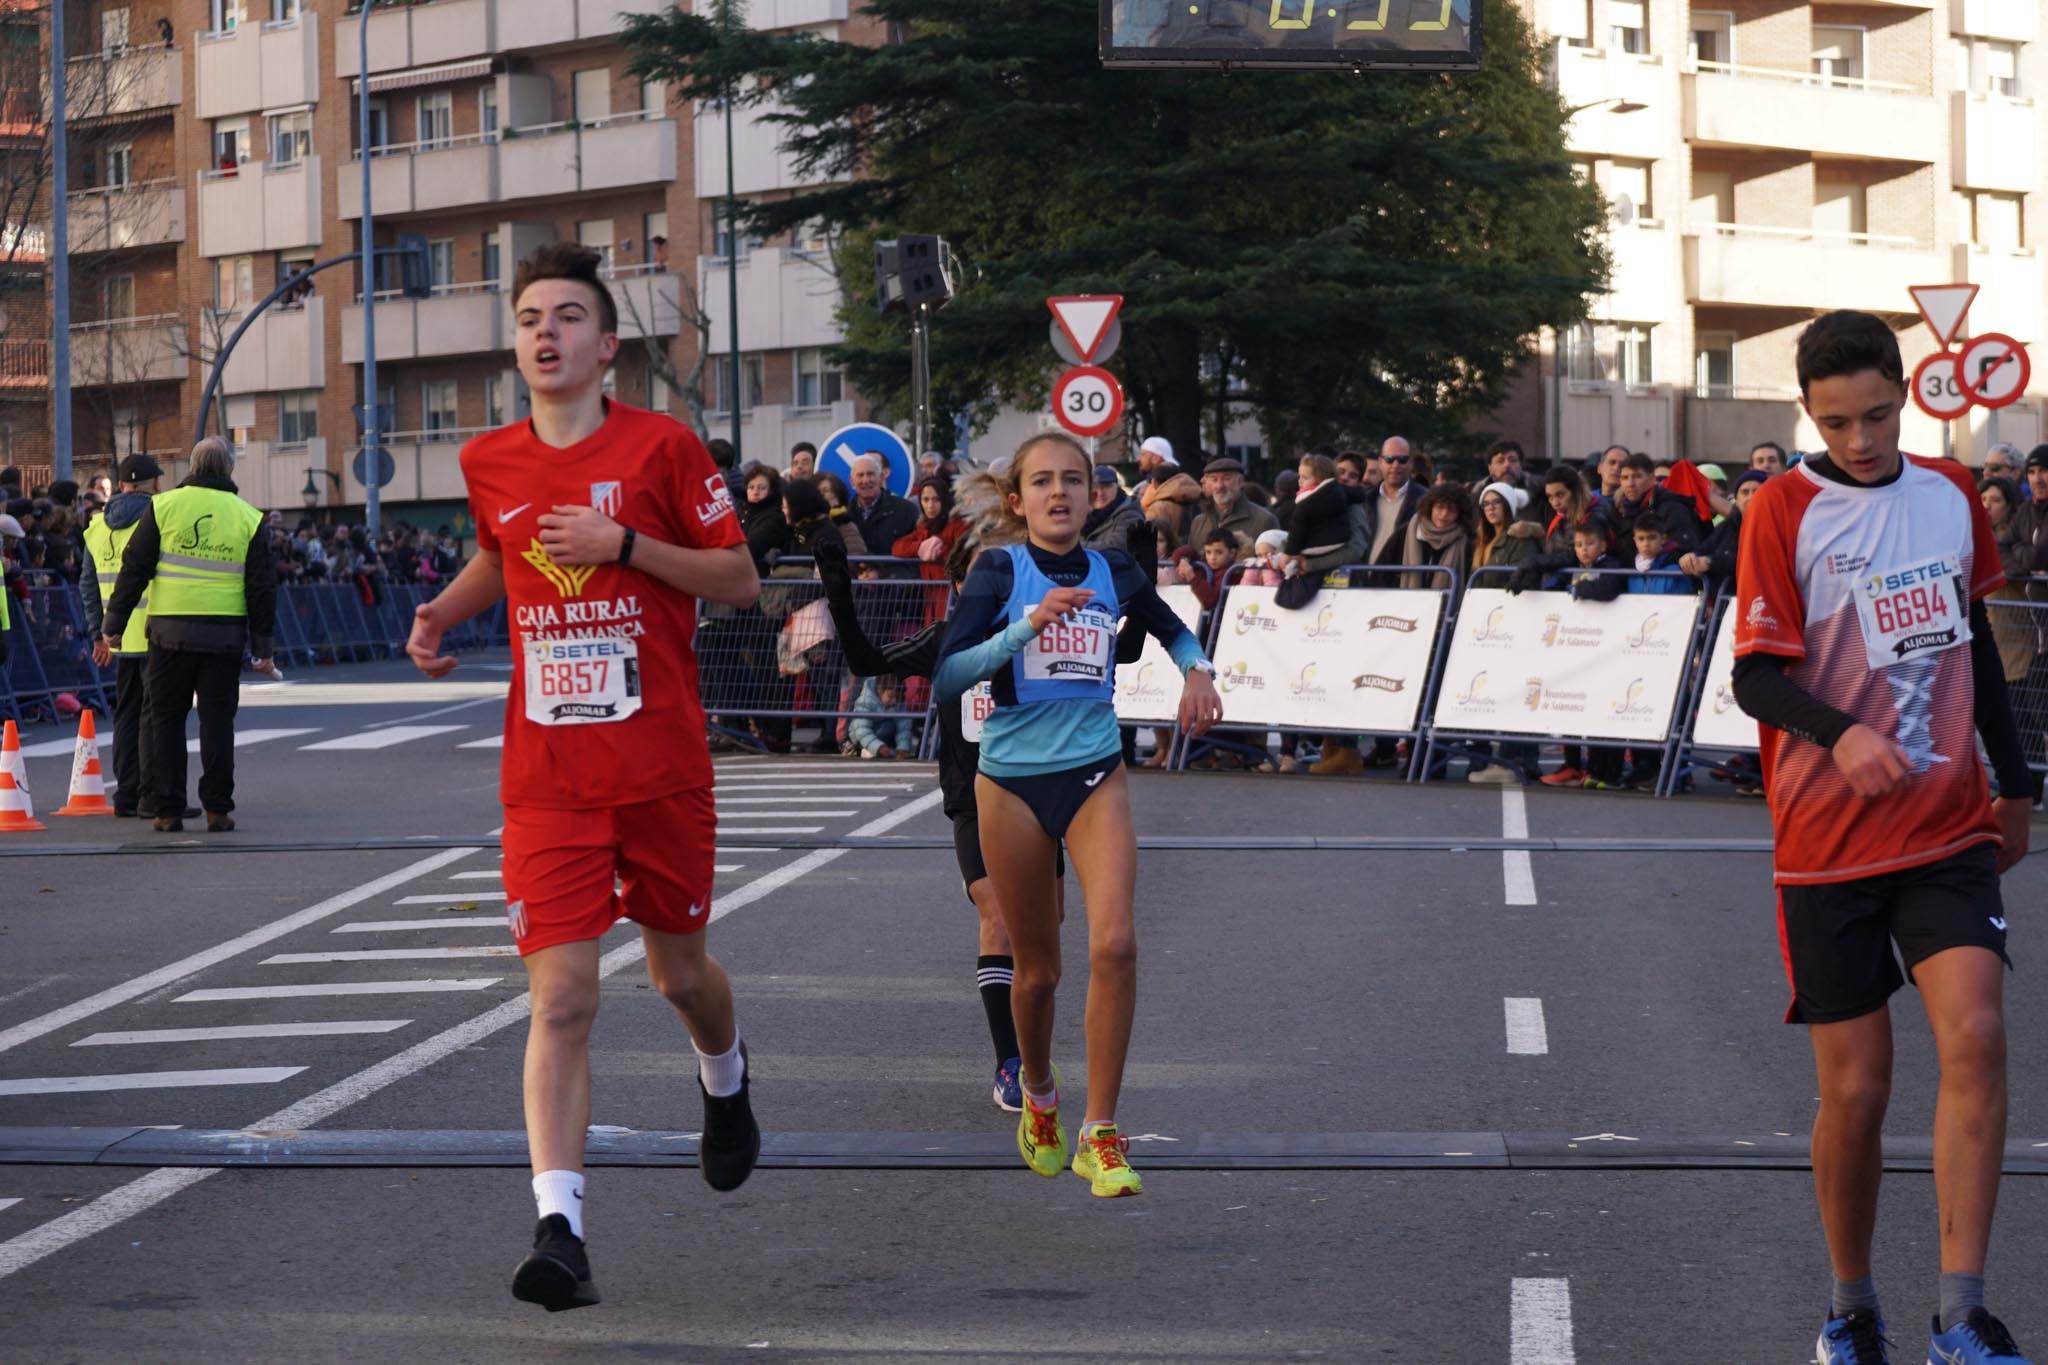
(1202, 666)
(626, 545)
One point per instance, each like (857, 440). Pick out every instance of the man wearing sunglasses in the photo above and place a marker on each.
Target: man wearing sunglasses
(1395, 506)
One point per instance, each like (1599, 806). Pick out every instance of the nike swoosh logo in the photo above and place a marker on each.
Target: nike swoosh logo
(1095, 779)
(504, 517)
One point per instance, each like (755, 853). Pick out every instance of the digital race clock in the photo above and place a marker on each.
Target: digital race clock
(1430, 35)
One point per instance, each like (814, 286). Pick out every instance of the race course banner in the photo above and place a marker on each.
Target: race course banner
(1353, 659)
(1542, 663)
(1148, 691)
(1721, 724)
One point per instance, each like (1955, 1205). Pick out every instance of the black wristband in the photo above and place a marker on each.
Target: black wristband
(626, 545)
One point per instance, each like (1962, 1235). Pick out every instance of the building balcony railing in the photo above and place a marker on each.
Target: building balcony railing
(1800, 111)
(637, 148)
(122, 217)
(649, 299)
(24, 365)
(2014, 21)
(284, 349)
(120, 351)
(274, 65)
(423, 177)
(25, 244)
(259, 206)
(427, 465)
(787, 299)
(123, 83)
(1805, 268)
(460, 319)
(272, 474)
(1996, 142)
(430, 32)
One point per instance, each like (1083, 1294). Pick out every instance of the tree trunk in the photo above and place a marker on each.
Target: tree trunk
(1177, 392)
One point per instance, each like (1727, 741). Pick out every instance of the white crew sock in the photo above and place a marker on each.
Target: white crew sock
(723, 1073)
(561, 1192)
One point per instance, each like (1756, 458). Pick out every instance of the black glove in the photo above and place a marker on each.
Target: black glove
(828, 552)
(1141, 542)
(1524, 579)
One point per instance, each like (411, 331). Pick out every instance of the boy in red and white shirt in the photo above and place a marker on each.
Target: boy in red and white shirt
(602, 526)
(1864, 651)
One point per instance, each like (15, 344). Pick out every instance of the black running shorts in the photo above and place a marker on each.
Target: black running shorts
(1837, 937)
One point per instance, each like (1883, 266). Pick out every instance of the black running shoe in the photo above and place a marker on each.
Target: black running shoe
(731, 1142)
(556, 1273)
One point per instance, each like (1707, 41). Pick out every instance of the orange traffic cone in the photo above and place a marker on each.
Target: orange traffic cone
(88, 779)
(16, 814)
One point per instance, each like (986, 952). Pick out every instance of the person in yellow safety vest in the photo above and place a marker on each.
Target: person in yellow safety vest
(198, 553)
(10, 533)
(106, 537)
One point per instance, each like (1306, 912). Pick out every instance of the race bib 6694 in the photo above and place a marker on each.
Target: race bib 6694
(1913, 611)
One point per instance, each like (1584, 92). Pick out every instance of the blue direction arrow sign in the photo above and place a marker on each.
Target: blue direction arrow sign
(838, 451)
(387, 468)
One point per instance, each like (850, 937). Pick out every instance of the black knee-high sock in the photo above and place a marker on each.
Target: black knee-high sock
(993, 975)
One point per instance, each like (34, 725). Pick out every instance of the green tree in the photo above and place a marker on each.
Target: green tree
(1355, 254)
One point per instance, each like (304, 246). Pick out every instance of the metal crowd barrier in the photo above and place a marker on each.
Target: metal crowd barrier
(2020, 626)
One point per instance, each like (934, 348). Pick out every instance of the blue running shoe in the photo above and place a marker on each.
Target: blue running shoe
(1009, 1093)
(1855, 1338)
(1978, 1339)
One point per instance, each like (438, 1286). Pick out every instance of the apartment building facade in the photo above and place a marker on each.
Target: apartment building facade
(1766, 161)
(495, 126)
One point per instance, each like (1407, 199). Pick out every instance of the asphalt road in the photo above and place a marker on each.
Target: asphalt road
(1292, 1001)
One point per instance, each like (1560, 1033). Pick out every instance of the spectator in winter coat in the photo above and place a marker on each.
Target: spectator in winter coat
(1168, 494)
(1439, 533)
(1505, 538)
(1321, 519)
(882, 517)
(1714, 561)
(873, 732)
(761, 517)
(809, 511)
(1656, 564)
(1191, 568)
(2030, 518)
(1641, 493)
(1504, 466)
(1111, 512)
(937, 530)
(1227, 508)
(1389, 511)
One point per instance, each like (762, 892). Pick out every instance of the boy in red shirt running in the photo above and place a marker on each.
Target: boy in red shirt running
(603, 526)
(1865, 653)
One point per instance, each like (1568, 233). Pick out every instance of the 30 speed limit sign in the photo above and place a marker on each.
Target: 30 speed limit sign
(1087, 400)
(1938, 387)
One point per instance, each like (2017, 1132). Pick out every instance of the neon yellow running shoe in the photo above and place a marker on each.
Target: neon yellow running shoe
(1040, 1139)
(1101, 1158)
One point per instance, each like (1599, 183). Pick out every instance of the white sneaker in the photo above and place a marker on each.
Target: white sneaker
(1494, 775)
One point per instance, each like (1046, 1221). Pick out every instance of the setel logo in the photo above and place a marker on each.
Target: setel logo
(1239, 678)
(1249, 620)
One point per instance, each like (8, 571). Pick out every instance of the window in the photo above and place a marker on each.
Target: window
(818, 382)
(1632, 349)
(1841, 208)
(113, 31)
(1712, 38)
(434, 120)
(654, 233)
(809, 238)
(120, 165)
(661, 395)
(1595, 352)
(1628, 27)
(120, 296)
(290, 263)
(441, 263)
(284, 11)
(494, 400)
(127, 424)
(1838, 54)
(1572, 20)
(380, 124)
(753, 381)
(1713, 365)
(437, 405)
(1999, 222)
(596, 233)
(487, 110)
(654, 98)
(291, 137)
(492, 260)
(593, 95)
(228, 15)
(298, 416)
(230, 143)
(234, 283)
(1629, 182)
(1998, 68)
(721, 240)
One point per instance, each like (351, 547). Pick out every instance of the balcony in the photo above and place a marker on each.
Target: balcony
(570, 158)
(419, 35)
(760, 164)
(462, 319)
(1590, 79)
(650, 300)
(773, 14)
(252, 67)
(2015, 21)
(422, 177)
(601, 18)
(787, 299)
(122, 84)
(1727, 263)
(1643, 270)
(259, 206)
(1796, 111)
(272, 475)
(1727, 427)
(1996, 143)
(148, 213)
(123, 351)
(2008, 290)
(24, 366)
(428, 465)
(285, 348)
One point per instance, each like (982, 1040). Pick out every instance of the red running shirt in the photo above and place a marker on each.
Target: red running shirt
(1868, 592)
(604, 708)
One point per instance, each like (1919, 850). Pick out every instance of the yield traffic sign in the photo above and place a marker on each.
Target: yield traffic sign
(1994, 370)
(1938, 387)
(1942, 307)
(1088, 401)
(1085, 319)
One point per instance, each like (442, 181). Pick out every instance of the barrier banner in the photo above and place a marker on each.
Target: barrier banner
(1353, 659)
(1148, 691)
(1543, 663)
(1719, 722)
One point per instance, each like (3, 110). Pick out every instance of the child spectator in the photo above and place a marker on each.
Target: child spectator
(1321, 519)
(1268, 564)
(1656, 564)
(877, 735)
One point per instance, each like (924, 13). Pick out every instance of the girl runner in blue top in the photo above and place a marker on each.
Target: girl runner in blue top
(1039, 621)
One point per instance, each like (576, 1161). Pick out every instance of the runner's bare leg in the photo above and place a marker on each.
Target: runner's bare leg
(563, 981)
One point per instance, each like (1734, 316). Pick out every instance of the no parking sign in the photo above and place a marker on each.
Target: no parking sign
(839, 450)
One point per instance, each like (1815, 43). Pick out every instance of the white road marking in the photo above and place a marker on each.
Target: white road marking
(1516, 870)
(805, 814)
(776, 829)
(245, 738)
(727, 867)
(234, 1031)
(827, 766)
(149, 1080)
(1540, 1323)
(451, 897)
(392, 954)
(6, 1204)
(424, 692)
(438, 711)
(51, 748)
(234, 947)
(493, 742)
(140, 1195)
(796, 801)
(382, 739)
(1527, 1036)
(378, 926)
(467, 983)
(476, 876)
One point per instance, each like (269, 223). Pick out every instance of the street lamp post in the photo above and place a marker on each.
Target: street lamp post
(373, 417)
(60, 259)
(732, 257)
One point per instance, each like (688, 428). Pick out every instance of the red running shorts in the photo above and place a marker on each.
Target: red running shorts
(571, 874)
